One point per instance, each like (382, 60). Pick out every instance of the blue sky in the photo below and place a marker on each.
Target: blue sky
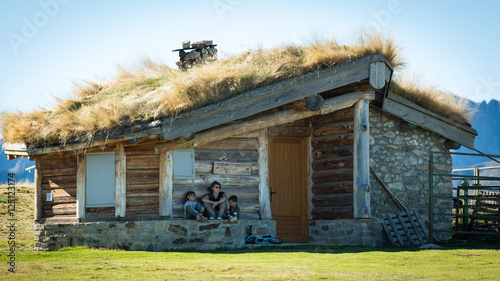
(45, 45)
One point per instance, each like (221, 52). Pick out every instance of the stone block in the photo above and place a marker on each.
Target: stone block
(209, 226)
(260, 231)
(177, 230)
(179, 241)
(130, 224)
(160, 226)
(215, 239)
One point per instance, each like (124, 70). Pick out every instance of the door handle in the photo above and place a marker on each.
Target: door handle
(272, 192)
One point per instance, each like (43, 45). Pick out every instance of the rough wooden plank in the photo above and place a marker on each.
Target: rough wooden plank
(143, 177)
(333, 175)
(395, 230)
(341, 127)
(333, 152)
(333, 140)
(141, 149)
(226, 155)
(120, 181)
(332, 200)
(289, 131)
(38, 190)
(232, 144)
(414, 227)
(67, 195)
(166, 184)
(143, 204)
(59, 209)
(63, 181)
(206, 166)
(207, 179)
(225, 168)
(142, 190)
(361, 177)
(333, 163)
(275, 119)
(105, 140)
(332, 187)
(377, 75)
(80, 186)
(246, 206)
(268, 97)
(138, 162)
(415, 114)
(416, 218)
(407, 231)
(346, 114)
(264, 198)
(242, 192)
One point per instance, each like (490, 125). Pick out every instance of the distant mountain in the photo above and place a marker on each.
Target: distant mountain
(487, 124)
(16, 166)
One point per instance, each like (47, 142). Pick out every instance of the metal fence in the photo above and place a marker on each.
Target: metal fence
(475, 196)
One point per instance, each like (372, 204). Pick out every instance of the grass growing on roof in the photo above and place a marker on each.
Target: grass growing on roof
(152, 91)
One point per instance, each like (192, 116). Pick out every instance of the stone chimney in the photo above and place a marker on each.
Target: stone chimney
(196, 53)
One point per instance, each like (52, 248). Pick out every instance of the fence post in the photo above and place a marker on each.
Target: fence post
(431, 197)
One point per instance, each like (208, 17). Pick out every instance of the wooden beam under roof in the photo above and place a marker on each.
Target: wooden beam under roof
(408, 111)
(271, 120)
(274, 95)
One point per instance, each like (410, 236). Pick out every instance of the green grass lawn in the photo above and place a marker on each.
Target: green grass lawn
(278, 263)
(465, 261)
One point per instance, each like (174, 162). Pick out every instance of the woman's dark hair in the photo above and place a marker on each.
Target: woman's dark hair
(214, 184)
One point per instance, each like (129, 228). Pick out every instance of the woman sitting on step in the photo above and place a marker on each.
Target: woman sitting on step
(215, 201)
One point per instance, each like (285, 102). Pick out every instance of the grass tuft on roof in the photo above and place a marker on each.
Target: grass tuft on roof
(153, 91)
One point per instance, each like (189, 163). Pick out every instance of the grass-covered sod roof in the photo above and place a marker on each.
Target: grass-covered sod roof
(153, 91)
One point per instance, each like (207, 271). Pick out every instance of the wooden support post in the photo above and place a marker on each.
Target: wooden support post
(377, 75)
(264, 199)
(38, 190)
(120, 181)
(80, 186)
(361, 184)
(166, 183)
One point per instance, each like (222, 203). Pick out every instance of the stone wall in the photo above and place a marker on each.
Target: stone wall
(157, 235)
(360, 232)
(400, 159)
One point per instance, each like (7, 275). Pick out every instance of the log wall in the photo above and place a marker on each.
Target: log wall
(246, 188)
(58, 176)
(332, 165)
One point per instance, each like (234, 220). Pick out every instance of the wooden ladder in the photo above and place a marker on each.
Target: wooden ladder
(405, 228)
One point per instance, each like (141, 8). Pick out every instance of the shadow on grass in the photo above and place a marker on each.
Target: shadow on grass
(490, 244)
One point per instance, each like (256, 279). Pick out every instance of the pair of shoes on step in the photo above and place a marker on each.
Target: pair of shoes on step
(201, 218)
(212, 217)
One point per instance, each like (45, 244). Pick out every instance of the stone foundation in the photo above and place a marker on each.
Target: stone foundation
(161, 235)
(359, 232)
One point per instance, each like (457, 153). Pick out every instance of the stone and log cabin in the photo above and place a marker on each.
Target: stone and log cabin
(300, 154)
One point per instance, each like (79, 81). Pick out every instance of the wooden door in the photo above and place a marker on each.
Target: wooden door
(288, 187)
